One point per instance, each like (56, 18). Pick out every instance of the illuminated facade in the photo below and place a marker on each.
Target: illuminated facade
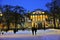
(27, 23)
(39, 17)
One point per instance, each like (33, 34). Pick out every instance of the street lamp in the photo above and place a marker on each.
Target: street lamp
(1, 13)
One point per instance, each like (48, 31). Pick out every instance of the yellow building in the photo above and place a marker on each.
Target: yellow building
(39, 17)
(27, 23)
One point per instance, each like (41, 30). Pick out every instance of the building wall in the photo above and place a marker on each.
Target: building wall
(38, 17)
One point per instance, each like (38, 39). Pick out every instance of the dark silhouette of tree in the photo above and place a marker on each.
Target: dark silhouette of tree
(58, 15)
(7, 14)
(19, 9)
(13, 14)
(19, 13)
(53, 9)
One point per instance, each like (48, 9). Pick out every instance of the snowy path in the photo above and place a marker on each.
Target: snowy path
(46, 37)
(49, 34)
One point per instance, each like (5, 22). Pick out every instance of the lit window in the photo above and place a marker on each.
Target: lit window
(33, 12)
(46, 16)
(1, 14)
(31, 16)
(43, 12)
(41, 17)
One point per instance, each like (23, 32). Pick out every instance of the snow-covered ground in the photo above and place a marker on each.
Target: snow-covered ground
(49, 34)
(39, 32)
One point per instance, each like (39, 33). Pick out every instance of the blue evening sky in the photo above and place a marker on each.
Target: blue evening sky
(27, 4)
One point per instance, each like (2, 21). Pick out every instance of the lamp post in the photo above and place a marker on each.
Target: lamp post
(1, 19)
(1, 16)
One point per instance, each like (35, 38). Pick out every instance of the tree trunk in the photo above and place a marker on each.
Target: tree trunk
(54, 22)
(8, 24)
(59, 23)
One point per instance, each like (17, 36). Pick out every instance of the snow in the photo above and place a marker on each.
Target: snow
(49, 34)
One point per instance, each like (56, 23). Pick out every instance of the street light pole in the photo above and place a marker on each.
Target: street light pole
(1, 16)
